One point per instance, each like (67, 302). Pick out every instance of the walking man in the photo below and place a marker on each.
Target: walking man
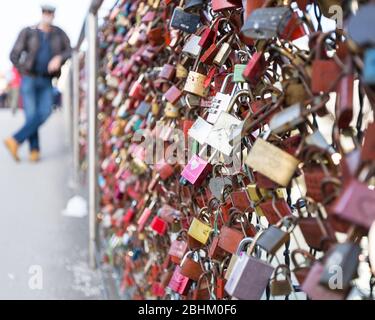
(39, 53)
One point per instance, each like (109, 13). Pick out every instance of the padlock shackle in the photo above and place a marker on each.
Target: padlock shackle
(242, 245)
(225, 82)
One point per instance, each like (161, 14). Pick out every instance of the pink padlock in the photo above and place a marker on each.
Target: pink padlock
(197, 169)
(179, 283)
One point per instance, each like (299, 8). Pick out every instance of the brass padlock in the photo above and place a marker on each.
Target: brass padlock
(281, 287)
(200, 230)
(272, 162)
(195, 84)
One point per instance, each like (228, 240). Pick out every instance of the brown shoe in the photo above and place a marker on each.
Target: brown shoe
(34, 156)
(12, 146)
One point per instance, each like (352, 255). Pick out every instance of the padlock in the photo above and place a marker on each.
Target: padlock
(168, 72)
(223, 53)
(159, 226)
(220, 102)
(317, 232)
(275, 209)
(281, 287)
(315, 291)
(287, 119)
(199, 230)
(219, 137)
(272, 162)
(218, 183)
(255, 68)
(130, 213)
(325, 72)
(273, 238)
(197, 169)
(294, 88)
(294, 28)
(344, 101)
(343, 256)
(356, 204)
(240, 251)
(171, 111)
(191, 268)
(230, 238)
(179, 283)
(192, 48)
(173, 95)
(184, 21)
(266, 23)
(195, 84)
(169, 214)
(250, 276)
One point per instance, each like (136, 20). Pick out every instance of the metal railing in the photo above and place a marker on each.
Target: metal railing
(89, 32)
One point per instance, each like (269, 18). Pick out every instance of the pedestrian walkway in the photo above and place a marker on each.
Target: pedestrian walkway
(34, 235)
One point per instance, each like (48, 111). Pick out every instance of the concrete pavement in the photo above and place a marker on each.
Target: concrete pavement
(43, 255)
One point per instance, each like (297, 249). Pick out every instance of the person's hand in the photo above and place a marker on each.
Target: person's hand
(55, 64)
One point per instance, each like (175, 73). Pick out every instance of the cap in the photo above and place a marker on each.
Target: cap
(48, 7)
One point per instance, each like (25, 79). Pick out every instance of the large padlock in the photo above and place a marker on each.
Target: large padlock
(184, 21)
(274, 163)
(250, 277)
(343, 257)
(356, 204)
(266, 23)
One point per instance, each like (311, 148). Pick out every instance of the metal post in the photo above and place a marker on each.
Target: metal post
(75, 116)
(92, 68)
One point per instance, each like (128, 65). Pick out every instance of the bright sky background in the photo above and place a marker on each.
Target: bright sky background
(16, 14)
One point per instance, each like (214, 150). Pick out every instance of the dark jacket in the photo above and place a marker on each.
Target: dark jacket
(26, 48)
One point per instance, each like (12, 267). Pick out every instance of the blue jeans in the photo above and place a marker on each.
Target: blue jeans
(37, 96)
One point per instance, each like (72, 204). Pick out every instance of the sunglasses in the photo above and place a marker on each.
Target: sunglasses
(48, 11)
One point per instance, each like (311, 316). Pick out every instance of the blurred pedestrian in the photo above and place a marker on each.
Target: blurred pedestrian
(39, 53)
(14, 90)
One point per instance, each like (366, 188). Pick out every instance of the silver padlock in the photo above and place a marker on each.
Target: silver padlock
(221, 101)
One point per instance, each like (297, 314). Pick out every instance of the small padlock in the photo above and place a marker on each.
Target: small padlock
(281, 287)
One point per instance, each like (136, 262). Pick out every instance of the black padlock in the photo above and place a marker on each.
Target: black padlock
(185, 21)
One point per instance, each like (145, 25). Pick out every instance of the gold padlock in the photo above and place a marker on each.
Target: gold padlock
(195, 84)
(272, 162)
(171, 111)
(199, 231)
